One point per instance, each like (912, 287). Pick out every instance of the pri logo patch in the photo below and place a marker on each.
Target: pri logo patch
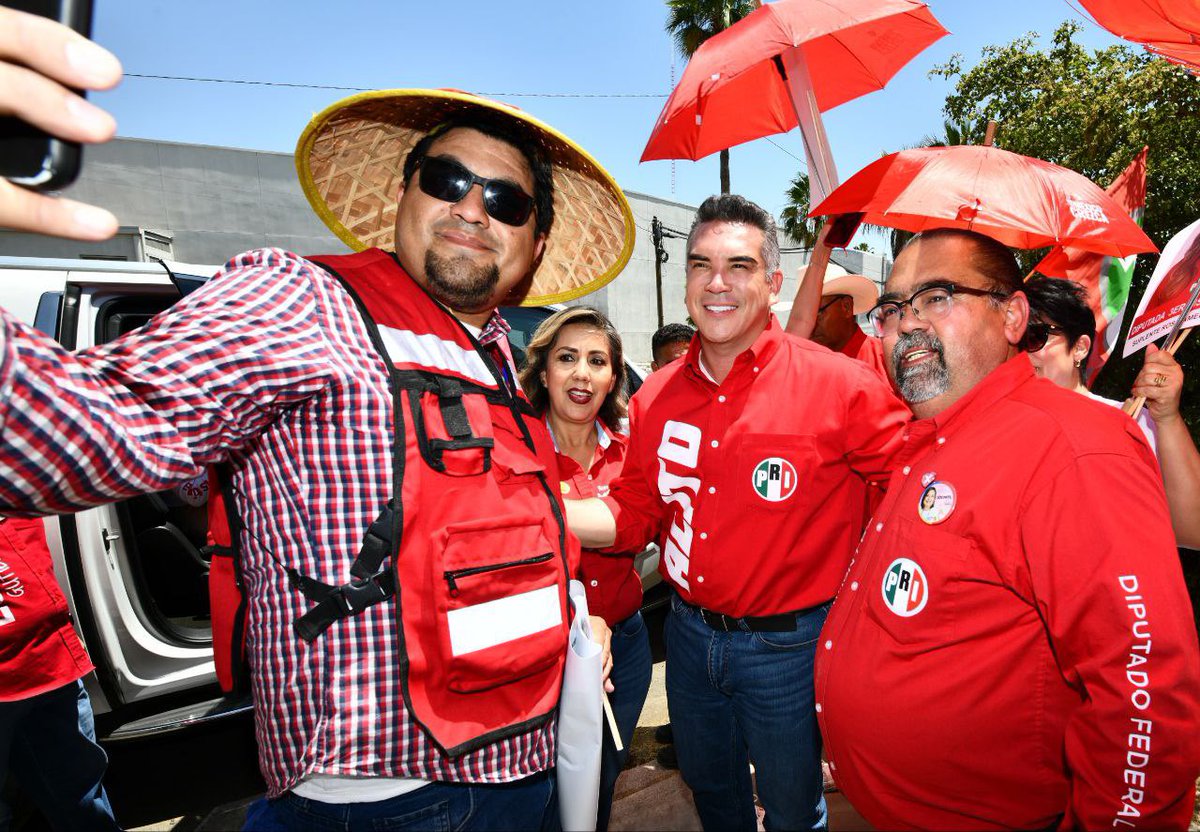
(905, 588)
(774, 479)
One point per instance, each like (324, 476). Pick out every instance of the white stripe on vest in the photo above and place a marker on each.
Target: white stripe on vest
(408, 348)
(503, 620)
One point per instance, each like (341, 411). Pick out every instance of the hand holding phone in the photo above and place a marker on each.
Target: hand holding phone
(40, 61)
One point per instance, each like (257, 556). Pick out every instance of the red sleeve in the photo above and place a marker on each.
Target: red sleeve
(1106, 580)
(874, 420)
(633, 497)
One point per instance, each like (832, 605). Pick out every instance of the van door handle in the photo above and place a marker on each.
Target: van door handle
(108, 537)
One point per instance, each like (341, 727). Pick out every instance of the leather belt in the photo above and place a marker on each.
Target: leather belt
(782, 623)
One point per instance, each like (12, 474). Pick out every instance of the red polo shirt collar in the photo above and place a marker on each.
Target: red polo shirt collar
(760, 352)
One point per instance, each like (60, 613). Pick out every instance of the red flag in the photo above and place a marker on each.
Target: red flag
(1106, 279)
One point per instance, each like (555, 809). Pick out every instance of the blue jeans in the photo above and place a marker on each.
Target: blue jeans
(531, 803)
(48, 742)
(631, 679)
(740, 697)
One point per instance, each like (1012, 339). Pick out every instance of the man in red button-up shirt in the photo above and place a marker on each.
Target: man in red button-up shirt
(1031, 656)
(749, 455)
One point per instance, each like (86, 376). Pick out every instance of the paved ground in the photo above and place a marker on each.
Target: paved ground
(649, 797)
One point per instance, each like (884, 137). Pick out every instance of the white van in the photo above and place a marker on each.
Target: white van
(134, 572)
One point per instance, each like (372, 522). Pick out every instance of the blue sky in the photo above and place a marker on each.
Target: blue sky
(523, 51)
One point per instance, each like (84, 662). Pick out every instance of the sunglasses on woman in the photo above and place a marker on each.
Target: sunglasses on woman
(449, 181)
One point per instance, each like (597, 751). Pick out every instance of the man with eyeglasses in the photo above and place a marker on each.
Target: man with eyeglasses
(403, 555)
(1017, 602)
(746, 464)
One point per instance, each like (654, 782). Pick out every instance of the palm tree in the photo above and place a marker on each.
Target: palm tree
(691, 22)
(966, 131)
(794, 218)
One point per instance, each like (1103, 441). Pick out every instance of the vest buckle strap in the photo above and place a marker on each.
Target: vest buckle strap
(337, 602)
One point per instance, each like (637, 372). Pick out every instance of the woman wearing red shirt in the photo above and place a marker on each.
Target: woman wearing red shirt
(575, 376)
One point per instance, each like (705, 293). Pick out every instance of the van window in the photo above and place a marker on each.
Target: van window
(165, 533)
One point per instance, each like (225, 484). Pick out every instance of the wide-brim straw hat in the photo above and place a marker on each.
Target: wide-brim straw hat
(862, 289)
(350, 159)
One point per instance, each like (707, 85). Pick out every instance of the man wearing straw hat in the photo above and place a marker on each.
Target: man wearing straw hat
(1005, 652)
(404, 560)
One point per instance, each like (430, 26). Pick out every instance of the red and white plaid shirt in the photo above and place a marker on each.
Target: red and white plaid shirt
(270, 365)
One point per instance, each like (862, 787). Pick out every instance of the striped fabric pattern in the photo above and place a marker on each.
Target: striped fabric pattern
(270, 366)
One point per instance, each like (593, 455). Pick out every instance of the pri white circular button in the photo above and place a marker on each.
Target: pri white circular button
(829, 645)
(756, 369)
(704, 535)
(699, 579)
(854, 586)
(715, 443)
(712, 489)
(906, 470)
(878, 527)
(941, 440)
(595, 582)
(720, 398)
(818, 707)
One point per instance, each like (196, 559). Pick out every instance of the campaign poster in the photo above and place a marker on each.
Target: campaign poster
(1168, 292)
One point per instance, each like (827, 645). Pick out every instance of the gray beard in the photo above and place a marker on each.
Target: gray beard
(924, 381)
(458, 284)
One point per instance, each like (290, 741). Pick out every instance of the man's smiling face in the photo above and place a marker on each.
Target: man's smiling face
(729, 293)
(935, 363)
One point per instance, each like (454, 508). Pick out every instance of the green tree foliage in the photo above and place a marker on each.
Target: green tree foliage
(691, 22)
(1093, 111)
(794, 218)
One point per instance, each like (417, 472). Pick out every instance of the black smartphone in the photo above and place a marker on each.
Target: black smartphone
(30, 156)
(841, 229)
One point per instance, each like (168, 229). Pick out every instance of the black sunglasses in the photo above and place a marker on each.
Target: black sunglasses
(449, 181)
(1037, 333)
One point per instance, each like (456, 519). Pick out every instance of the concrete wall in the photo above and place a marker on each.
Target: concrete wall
(213, 202)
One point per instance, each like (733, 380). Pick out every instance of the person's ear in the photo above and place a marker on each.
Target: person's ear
(1080, 350)
(1016, 317)
(542, 378)
(775, 281)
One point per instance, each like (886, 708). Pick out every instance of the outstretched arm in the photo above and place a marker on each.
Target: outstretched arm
(592, 522)
(1177, 454)
(803, 317)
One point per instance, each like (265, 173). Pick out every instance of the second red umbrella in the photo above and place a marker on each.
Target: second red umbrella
(1021, 201)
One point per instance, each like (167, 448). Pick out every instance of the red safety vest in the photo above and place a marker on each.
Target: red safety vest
(477, 555)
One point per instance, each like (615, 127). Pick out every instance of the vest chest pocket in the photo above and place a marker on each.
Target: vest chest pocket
(452, 424)
(500, 602)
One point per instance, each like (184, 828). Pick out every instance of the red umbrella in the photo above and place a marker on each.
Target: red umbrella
(734, 89)
(1020, 201)
(1170, 28)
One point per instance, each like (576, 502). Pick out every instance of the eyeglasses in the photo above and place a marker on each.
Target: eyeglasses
(829, 303)
(450, 181)
(1037, 333)
(929, 304)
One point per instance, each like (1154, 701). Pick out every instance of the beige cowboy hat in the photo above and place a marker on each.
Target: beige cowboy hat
(350, 159)
(831, 270)
(862, 289)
